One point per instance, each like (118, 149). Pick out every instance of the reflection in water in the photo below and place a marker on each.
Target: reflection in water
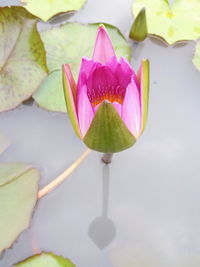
(137, 48)
(102, 230)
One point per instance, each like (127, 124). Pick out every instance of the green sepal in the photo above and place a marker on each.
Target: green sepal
(144, 83)
(69, 99)
(107, 132)
(139, 29)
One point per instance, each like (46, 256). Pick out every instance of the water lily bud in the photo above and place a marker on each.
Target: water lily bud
(139, 28)
(108, 105)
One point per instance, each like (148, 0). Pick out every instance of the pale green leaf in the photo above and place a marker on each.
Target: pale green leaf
(45, 259)
(68, 43)
(179, 21)
(18, 195)
(46, 9)
(50, 95)
(22, 57)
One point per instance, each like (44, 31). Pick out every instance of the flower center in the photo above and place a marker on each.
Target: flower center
(110, 94)
(102, 85)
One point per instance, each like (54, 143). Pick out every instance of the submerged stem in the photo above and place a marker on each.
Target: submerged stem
(107, 158)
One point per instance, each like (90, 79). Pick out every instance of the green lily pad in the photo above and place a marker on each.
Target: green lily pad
(45, 259)
(68, 43)
(47, 9)
(51, 86)
(196, 58)
(18, 195)
(22, 57)
(177, 22)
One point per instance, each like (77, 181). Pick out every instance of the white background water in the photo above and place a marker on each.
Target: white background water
(143, 210)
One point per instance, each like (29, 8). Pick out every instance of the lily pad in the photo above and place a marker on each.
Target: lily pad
(47, 9)
(45, 259)
(22, 57)
(50, 95)
(177, 22)
(196, 58)
(18, 195)
(68, 43)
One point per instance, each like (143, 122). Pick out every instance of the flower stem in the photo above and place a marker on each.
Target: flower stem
(107, 158)
(63, 176)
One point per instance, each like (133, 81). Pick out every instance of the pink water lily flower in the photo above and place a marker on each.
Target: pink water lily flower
(108, 105)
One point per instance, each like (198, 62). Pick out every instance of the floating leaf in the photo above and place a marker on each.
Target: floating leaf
(22, 57)
(68, 44)
(50, 95)
(47, 9)
(196, 58)
(179, 21)
(18, 195)
(45, 259)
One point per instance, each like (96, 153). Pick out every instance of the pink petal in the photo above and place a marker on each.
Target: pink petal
(131, 113)
(103, 49)
(112, 63)
(102, 79)
(86, 67)
(70, 79)
(101, 84)
(118, 107)
(125, 72)
(85, 111)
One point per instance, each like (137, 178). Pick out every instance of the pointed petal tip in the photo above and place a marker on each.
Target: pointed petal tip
(145, 63)
(65, 67)
(69, 87)
(102, 26)
(145, 60)
(102, 29)
(103, 48)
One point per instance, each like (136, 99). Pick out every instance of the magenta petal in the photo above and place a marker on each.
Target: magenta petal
(112, 63)
(103, 49)
(87, 65)
(118, 107)
(84, 110)
(131, 113)
(101, 82)
(125, 72)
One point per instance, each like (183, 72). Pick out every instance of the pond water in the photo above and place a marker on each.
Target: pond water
(142, 210)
